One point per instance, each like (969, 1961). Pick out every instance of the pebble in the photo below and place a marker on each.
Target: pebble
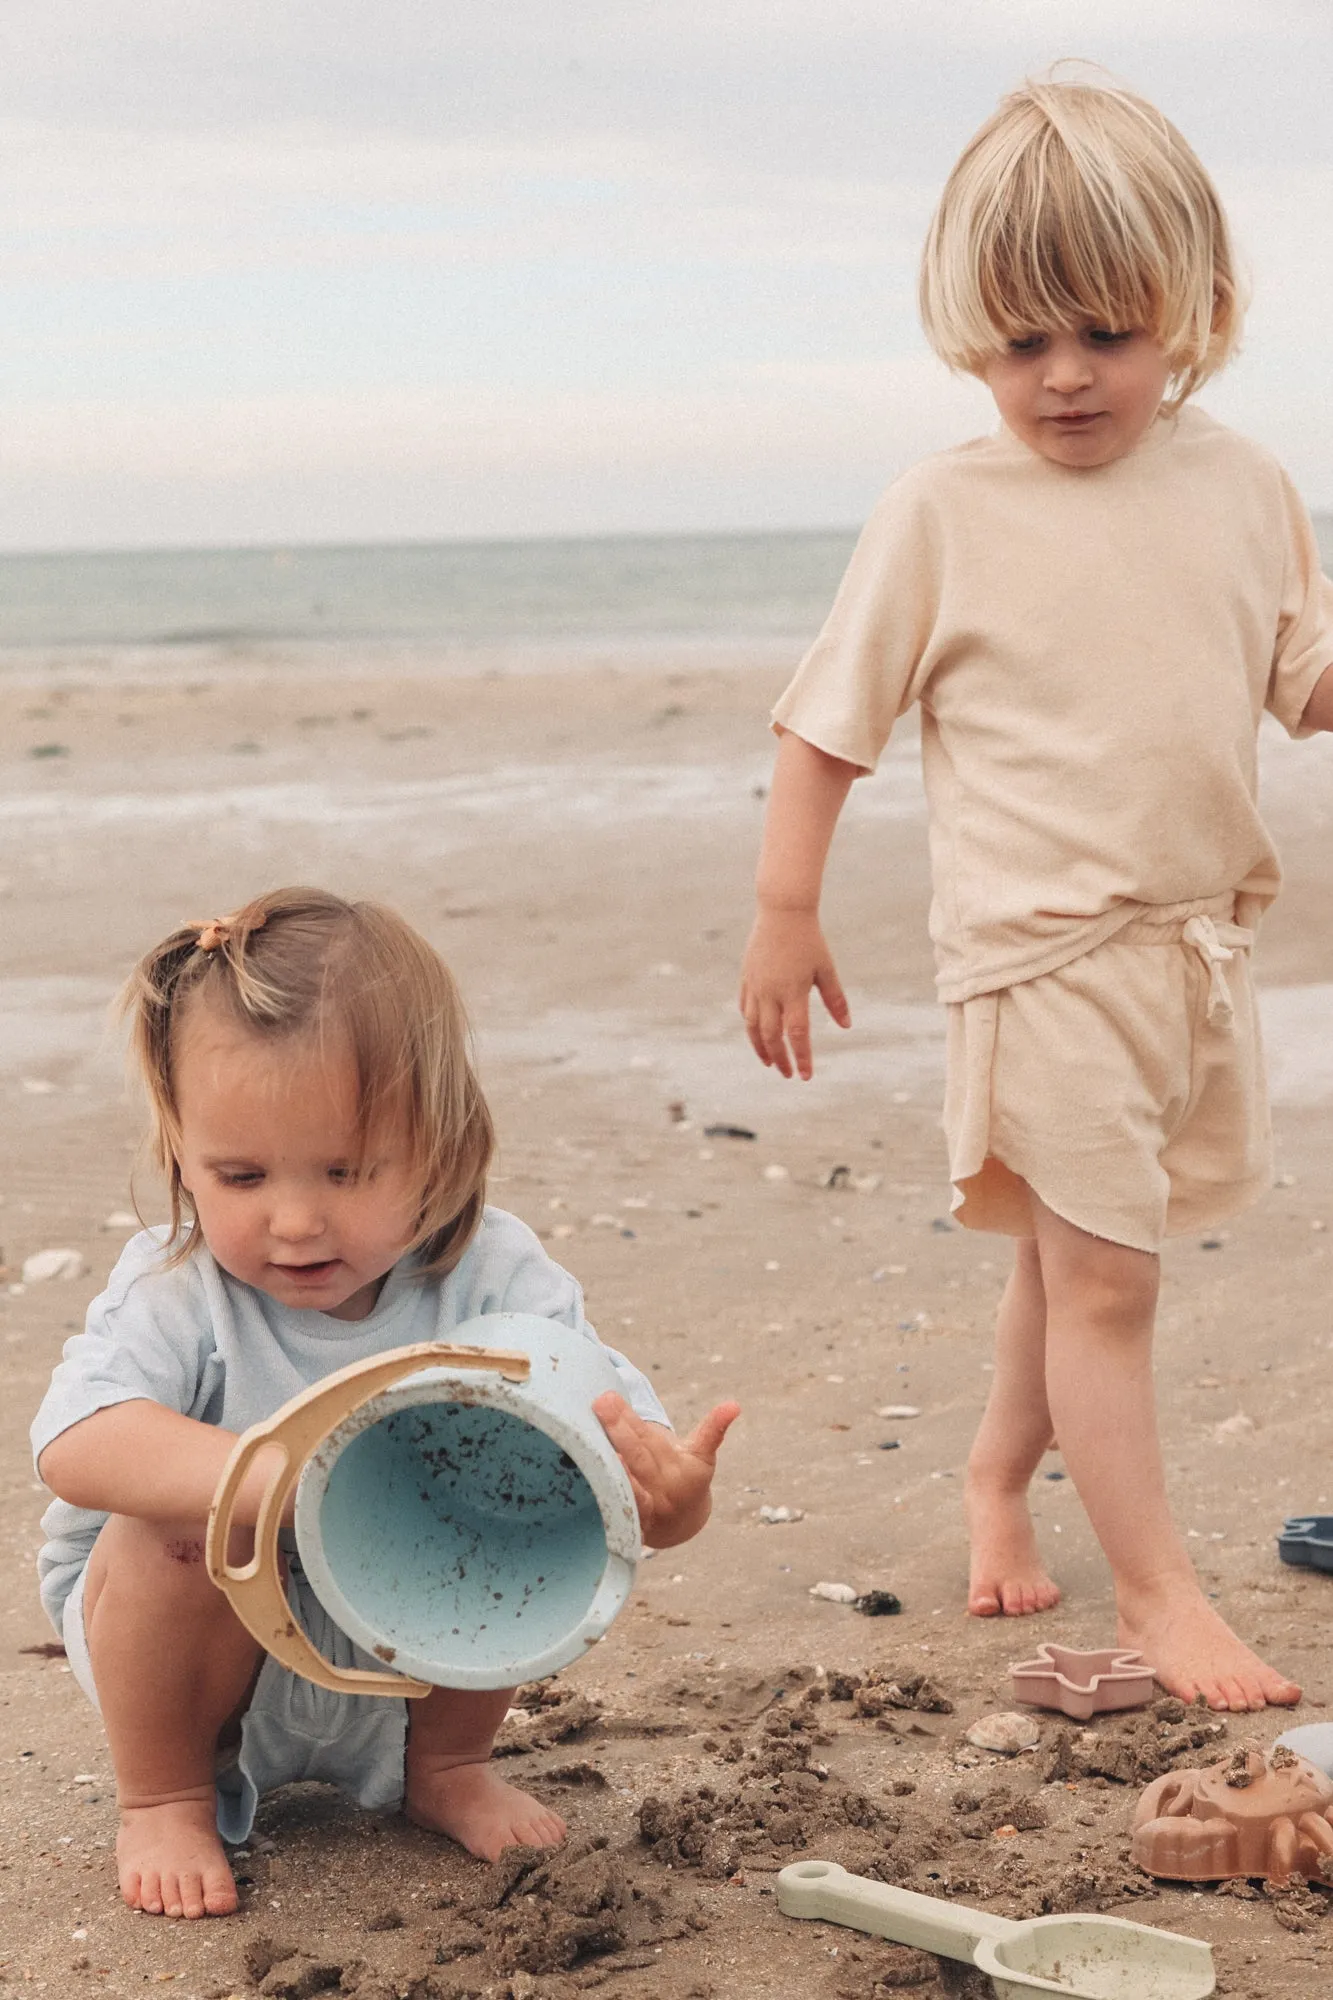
(120, 1218)
(877, 1604)
(834, 1593)
(1239, 1426)
(45, 1264)
(774, 1172)
(1005, 1733)
(39, 1086)
(899, 1410)
(774, 1517)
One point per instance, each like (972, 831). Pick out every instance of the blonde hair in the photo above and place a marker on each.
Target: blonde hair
(299, 964)
(1080, 201)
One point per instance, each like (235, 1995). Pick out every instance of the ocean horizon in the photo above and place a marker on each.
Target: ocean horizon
(747, 586)
(742, 586)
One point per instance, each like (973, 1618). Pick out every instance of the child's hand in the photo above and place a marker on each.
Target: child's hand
(672, 1477)
(785, 957)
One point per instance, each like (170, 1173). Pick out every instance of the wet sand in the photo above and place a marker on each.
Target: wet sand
(578, 837)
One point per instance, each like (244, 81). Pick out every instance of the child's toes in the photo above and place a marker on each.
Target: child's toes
(184, 1897)
(146, 1893)
(541, 1829)
(220, 1898)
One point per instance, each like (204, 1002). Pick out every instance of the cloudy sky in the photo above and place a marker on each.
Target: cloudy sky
(441, 268)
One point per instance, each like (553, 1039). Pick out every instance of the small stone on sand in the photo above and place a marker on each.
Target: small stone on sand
(46, 1264)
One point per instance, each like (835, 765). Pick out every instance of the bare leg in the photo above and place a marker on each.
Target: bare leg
(452, 1788)
(172, 1664)
(1007, 1573)
(1100, 1303)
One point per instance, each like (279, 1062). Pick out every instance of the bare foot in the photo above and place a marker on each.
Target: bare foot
(1008, 1576)
(480, 1810)
(171, 1862)
(1194, 1652)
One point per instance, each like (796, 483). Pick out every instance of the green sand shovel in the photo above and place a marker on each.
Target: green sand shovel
(1083, 1957)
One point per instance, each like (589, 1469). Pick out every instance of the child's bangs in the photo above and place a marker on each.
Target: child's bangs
(1045, 271)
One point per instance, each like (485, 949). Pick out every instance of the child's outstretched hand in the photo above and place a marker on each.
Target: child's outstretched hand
(672, 1477)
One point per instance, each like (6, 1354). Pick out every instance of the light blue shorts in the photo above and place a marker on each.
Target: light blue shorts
(292, 1729)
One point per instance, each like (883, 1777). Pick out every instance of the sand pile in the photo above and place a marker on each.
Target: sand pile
(584, 1910)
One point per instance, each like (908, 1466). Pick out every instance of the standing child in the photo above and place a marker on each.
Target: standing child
(326, 1144)
(1093, 607)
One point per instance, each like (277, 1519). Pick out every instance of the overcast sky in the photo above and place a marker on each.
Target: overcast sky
(442, 268)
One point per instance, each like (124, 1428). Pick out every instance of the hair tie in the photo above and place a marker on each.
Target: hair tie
(218, 931)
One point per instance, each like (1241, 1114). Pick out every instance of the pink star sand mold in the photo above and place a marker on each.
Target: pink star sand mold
(1083, 1684)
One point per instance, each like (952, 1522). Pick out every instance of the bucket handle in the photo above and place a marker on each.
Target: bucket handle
(254, 1589)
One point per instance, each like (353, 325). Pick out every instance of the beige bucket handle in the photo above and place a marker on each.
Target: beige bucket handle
(254, 1589)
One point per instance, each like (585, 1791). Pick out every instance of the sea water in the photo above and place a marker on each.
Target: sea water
(725, 589)
(447, 594)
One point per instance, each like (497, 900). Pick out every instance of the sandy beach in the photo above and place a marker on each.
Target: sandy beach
(576, 832)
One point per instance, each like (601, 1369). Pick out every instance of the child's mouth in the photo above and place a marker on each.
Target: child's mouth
(308, 1274)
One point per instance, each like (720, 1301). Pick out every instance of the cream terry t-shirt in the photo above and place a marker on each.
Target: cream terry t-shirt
(1092, 651)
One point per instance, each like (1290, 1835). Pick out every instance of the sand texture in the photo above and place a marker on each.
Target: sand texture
(577, 836)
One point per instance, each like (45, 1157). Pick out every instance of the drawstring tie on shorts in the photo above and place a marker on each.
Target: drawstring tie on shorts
(1217, 944)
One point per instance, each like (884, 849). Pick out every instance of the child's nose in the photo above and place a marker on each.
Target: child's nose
(295, 1218)
(1067, 367)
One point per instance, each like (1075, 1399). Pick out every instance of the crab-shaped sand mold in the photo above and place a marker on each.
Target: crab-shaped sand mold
(1248, 1814)
(1082, 1684)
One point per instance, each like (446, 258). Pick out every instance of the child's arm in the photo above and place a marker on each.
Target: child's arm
(787, 954)
(1319, 709)
(141, 1459)
(672, 1477)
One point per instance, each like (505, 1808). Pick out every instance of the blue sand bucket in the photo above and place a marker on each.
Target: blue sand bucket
(460, 1512)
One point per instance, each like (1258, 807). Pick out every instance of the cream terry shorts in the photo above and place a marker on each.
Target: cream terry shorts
(1126, 1089)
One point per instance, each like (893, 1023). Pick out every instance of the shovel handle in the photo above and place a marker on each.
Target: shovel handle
(254, 1589)
(822, 1890)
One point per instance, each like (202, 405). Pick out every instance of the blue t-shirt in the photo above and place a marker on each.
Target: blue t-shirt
(196, 1340)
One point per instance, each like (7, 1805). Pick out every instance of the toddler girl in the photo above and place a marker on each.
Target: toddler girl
(326, 1145)
(1093, 607)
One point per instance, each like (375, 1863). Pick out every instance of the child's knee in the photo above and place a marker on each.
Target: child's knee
(1111, 1288)
(163, 1559)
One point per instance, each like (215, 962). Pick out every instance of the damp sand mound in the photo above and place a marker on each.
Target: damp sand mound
(583, 1912)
